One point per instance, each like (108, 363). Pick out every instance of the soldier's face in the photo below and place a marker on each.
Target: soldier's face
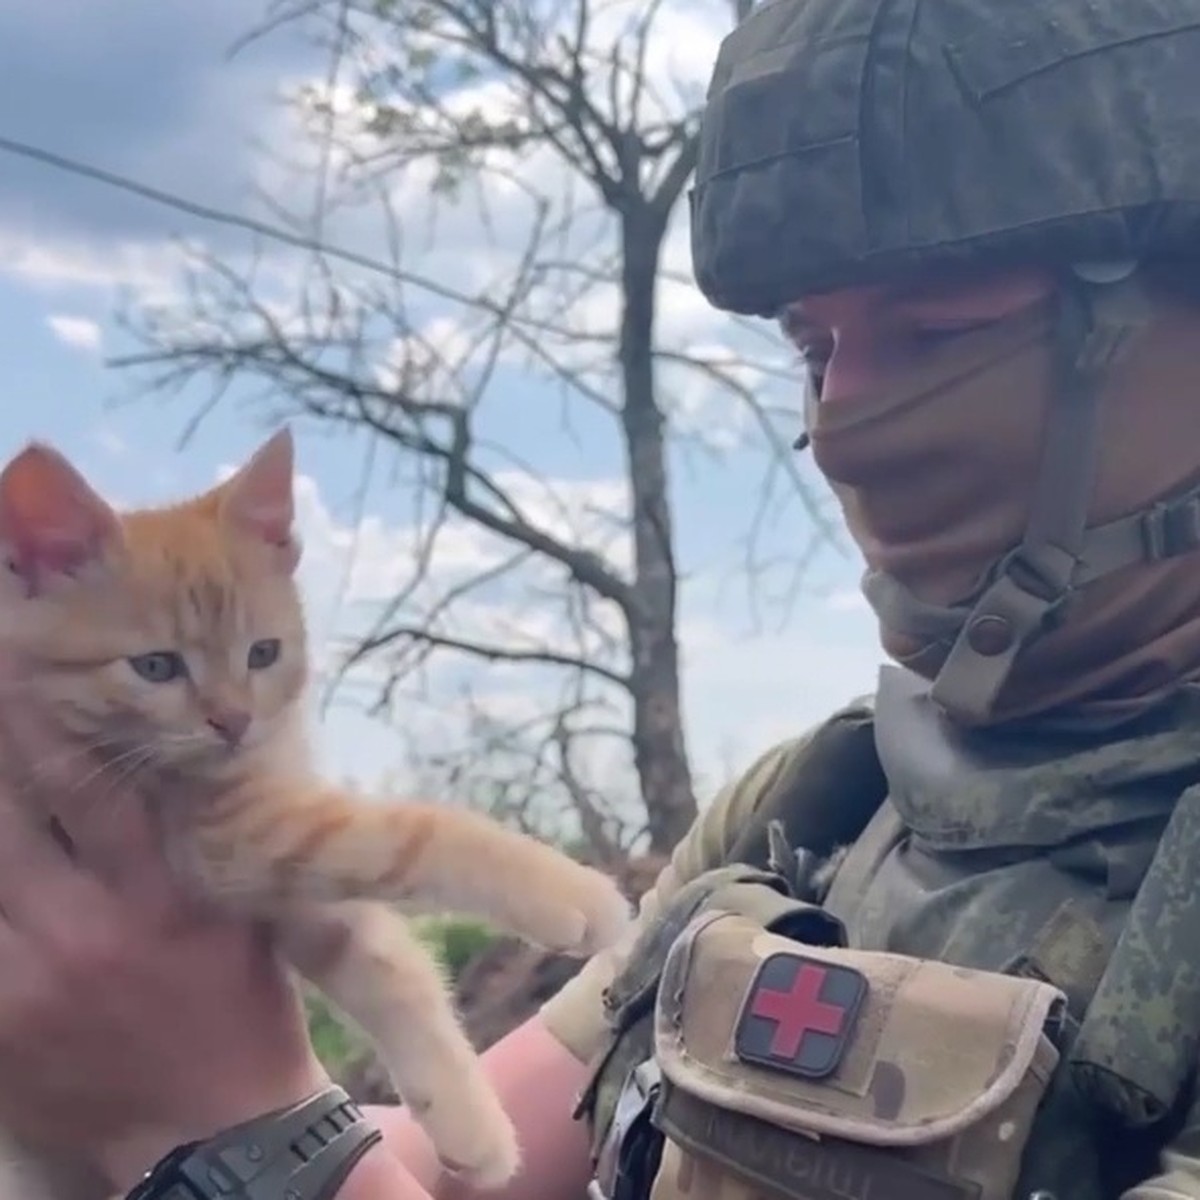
(851, 339)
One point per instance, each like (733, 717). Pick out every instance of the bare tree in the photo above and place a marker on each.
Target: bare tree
(563, 110)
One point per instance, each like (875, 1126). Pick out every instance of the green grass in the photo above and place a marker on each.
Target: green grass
(453, 940)
(335, 1043)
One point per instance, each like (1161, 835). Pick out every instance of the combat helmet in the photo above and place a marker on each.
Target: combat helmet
(848, 141)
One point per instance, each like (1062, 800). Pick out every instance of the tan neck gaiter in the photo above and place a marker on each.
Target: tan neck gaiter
(935, 474)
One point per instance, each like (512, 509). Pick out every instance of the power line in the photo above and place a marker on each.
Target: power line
(192, 208)
(497, 308)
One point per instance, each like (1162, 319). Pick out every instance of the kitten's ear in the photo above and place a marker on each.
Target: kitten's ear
(52, 522)
(258, 500)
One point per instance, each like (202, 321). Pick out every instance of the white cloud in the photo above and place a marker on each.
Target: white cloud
(149, 268)
(745, 693)
(740, 693)
(474, 246)
(433, 358)
(477, 244)
(111, 442)
(379, 558)
(80, 333)
(847, 600)
(350, 572)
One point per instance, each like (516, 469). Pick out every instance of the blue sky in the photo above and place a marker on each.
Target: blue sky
(149, 90)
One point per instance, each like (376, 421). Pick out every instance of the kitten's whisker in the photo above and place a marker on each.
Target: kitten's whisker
(42, 765)
(53, 771)
(131, 770)
(131, 765)
(111, 763)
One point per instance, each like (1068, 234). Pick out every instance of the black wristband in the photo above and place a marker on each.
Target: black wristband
(300, 1153)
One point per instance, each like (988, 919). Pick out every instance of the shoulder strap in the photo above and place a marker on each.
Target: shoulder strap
(823, 794)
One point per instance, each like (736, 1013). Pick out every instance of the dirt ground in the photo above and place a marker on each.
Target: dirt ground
(498, 989)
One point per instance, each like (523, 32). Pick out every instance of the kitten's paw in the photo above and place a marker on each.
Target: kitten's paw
(484, 1152)
(595, 915)
(463, 1117)
(563, 906)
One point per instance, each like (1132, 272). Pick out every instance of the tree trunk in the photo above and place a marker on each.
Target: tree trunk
(660, 754)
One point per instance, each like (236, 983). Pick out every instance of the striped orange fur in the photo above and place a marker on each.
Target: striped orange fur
(167, 645)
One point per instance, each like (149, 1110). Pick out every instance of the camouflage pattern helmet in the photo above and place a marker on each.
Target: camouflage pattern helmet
(845, 140)
(848, 141)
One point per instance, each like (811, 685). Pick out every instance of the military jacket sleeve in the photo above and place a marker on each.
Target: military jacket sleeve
(575, 1014)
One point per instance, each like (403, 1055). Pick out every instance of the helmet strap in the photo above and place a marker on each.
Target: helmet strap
(1029, 589)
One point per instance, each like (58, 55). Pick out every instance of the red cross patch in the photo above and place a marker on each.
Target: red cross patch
(798, 1015)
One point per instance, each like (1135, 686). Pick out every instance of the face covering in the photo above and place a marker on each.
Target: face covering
(934, 472)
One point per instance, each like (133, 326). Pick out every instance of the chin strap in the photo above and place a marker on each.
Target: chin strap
(1029, 589)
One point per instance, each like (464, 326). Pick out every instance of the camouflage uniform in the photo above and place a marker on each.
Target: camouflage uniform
(994, 856)
(991, 984)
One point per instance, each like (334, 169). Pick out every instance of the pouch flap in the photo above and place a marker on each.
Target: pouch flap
(630, 993)
(877, 1048)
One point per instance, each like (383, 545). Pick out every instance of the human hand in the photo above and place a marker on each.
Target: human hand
(130, 1021)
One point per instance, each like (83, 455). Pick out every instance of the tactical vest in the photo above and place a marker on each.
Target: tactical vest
(994, 991)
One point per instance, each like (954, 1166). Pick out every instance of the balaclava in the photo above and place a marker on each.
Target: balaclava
(937, 472)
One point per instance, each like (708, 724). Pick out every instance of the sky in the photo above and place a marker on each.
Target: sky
(152, 91)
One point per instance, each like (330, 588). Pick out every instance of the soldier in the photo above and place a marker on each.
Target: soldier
(980, 224)
(946, 944)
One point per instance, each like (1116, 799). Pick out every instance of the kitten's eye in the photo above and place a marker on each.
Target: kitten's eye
(263, 654)
(159, 666)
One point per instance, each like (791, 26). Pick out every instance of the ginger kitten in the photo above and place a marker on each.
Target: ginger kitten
(169, 644)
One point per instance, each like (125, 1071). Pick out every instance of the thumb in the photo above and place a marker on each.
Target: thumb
(110, 829)
(120, 835)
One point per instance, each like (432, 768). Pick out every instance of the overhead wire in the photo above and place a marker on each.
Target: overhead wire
(193, 208)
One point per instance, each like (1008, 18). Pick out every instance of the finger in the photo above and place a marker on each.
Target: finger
(29, 849)
(121, 840)
(103, 824)
(39, 882)
(42, 886)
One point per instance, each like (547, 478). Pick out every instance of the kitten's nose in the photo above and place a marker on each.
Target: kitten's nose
(231, 724)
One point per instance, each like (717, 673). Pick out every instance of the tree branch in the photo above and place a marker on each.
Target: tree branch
(491, 653)
(558, 105)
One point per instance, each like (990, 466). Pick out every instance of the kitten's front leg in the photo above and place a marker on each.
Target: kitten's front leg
(316, 842)
(365, 959)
